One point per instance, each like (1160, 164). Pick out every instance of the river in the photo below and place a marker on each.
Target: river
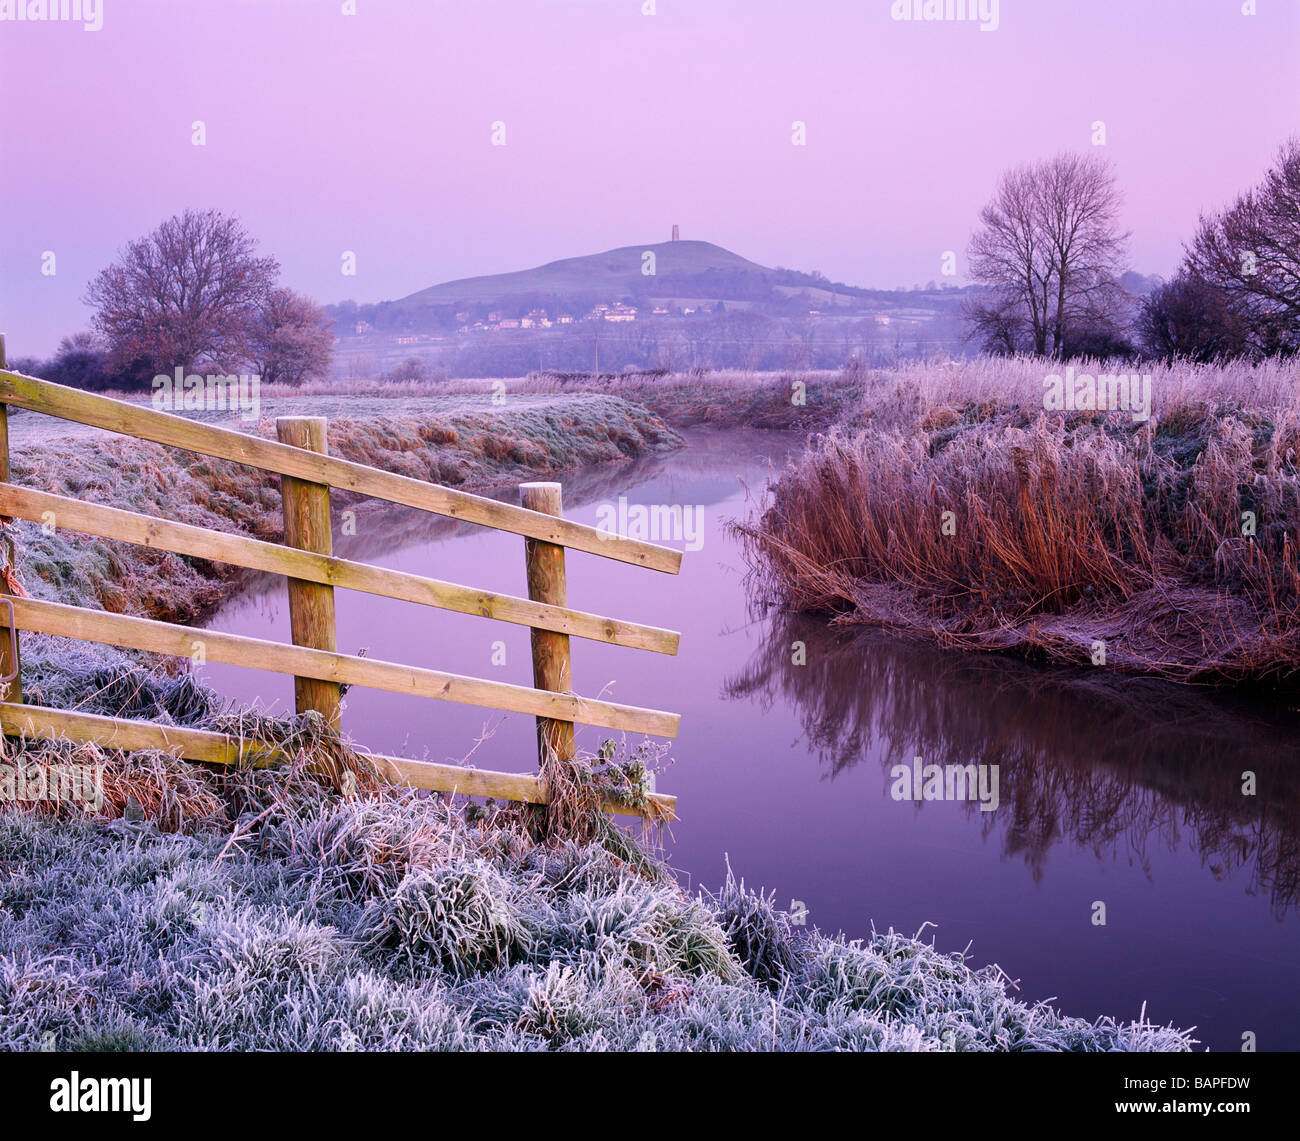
(1113, 792)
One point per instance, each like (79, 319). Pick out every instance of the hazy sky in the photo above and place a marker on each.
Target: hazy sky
(372, 132)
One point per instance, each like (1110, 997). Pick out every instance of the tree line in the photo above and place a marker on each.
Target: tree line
(1050, 251)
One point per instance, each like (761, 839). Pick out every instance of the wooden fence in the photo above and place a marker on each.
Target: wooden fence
(307, 472)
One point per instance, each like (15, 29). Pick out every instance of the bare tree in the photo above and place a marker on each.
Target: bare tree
(1251, 254)
(360, 367)
(1050, 248)
(187, 295)
(998, 325)
(291, 339)
(801, 334)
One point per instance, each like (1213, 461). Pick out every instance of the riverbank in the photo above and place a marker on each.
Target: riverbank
(385, 922)
(794, 400)
(478, 448)
(1161, 545)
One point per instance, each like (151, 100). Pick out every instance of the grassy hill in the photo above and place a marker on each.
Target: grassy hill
(691, 278)
(612, 273)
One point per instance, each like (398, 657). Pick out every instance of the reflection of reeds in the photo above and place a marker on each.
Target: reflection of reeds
(1113, 766)
(995, 526)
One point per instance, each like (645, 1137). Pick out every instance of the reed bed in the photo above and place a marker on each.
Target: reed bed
(951, 504)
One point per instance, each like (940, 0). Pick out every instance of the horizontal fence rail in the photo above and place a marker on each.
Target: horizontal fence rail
(300, 457)
(254, 554)
(39, 722)
(145, 634)
(269, 455)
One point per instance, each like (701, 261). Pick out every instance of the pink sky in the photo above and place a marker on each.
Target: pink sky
(371, 132)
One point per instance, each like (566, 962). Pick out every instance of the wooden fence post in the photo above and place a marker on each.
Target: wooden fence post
(9, 662)
(307, 527)
(546, 583)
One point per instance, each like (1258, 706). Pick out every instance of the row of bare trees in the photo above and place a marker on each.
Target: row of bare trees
(1050, 250)
(194, 294)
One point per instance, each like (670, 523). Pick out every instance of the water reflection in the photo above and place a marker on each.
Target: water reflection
(1112, 765)
(367, 530)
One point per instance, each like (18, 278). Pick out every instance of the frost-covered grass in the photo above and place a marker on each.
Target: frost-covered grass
(900, 396)
(719, 398)
(201, 908)
(386, 923)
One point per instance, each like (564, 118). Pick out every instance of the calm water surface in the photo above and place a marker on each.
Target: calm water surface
(1126, 793)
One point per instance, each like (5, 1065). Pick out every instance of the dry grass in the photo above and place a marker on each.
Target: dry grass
(176, 795)
(947, 505)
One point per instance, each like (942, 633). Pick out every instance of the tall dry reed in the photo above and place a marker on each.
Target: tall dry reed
(948, 504)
